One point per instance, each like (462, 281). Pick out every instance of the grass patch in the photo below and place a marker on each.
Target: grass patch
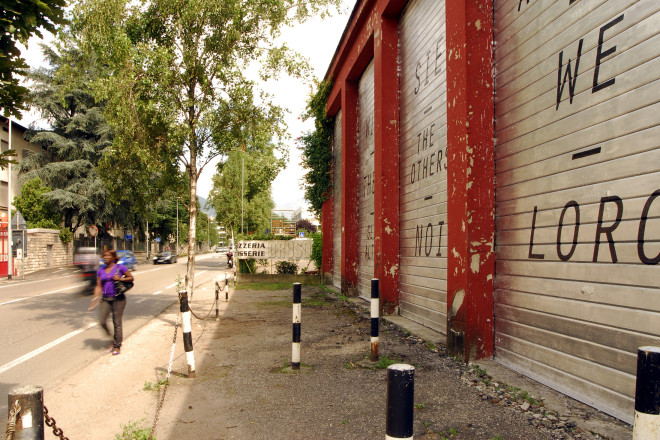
(134, 431)
(264, 285)
(385, 361)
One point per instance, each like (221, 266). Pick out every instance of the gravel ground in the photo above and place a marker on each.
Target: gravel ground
(243, 392)
(242, 389)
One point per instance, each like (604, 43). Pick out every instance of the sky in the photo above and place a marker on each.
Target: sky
(316, 40)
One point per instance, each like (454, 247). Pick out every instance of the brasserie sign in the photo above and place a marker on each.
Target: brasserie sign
(274, 249)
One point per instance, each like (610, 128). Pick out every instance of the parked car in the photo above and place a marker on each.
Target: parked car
(127, 258)
(165, 257)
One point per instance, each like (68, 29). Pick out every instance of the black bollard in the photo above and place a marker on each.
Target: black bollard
(297, 312)
(27, 404)
(647, 394)
(375, 313)
(400, 401)
(226, 287)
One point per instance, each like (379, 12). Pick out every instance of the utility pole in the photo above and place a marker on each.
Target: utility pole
(10, 259)
(242, 191)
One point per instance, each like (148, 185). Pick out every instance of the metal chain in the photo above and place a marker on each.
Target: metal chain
(161, 398)
(51, 422)
(209, 314)
(11, 422)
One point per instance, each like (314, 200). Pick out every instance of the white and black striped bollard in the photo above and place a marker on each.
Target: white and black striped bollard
(375, 313)
(186, 323)
(297, 312)
(647, 395)
(226, 287)
(400, 402)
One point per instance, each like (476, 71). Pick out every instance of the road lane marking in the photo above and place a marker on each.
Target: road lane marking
(42, 294)
(159, 292)
(171, 285)
(40, 350)
(16, 282)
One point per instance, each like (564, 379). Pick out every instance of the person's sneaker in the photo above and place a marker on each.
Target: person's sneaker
(115, 351)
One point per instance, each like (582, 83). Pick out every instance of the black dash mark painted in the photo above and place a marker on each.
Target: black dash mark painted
(428, 109)
(428, 197)
(582, 154)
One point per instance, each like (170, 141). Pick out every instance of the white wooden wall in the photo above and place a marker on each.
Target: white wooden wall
(336, 202)
(423, 164)
(577, 165)
(366, 181)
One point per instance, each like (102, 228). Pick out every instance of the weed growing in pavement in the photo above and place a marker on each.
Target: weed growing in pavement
(148, 386)
(431, 346)
(344, 422)
(343, 297)
(385, 361)
(497, 437)
(420, 406)
(515, 392)
(133, 431)
(452, 432)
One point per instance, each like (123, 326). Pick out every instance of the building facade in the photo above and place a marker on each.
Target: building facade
(496, 165)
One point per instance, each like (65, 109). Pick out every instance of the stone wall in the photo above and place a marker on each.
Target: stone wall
(44, 250)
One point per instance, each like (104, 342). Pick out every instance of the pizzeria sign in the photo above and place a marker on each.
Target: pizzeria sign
(274, 249)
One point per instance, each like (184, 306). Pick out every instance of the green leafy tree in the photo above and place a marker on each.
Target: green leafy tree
(253, 175)
(178, 93)
(35, 208)
(37, 211)
(19, 20)
(76, 143)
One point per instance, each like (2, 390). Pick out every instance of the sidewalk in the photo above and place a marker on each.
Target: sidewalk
(241, 392)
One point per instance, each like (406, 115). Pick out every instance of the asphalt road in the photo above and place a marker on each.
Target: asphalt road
(47, 332)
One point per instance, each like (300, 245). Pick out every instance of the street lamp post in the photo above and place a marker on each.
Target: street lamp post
(177, 226)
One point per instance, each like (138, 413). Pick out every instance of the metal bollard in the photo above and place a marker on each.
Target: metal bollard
(647, 395)
(217, 296)
(375, 312)
(27, 405)
(297, 312)
(226, 287)
(235, 279)
(186, 323)
(400, 401)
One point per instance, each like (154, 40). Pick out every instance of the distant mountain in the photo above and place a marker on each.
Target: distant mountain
(202, 207)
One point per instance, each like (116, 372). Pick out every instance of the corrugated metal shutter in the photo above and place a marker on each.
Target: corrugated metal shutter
(423, 165)
(578, 208)
(336, 202)
(366, 181)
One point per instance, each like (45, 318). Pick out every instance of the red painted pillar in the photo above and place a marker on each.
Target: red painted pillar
(386, 161)
(471, 181)
(326, 229)
(349, 188)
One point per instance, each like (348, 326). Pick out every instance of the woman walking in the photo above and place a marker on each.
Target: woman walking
(110, 301)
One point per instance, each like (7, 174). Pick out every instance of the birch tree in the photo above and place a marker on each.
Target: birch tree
(178, 89)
